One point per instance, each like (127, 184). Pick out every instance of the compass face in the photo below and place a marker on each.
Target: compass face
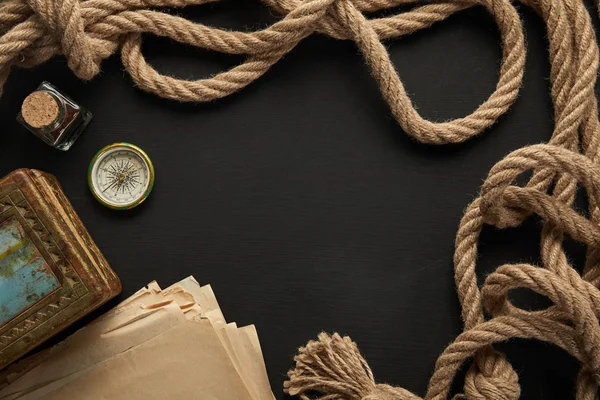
(121, 176)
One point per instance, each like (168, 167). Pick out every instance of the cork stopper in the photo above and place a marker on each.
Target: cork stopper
(40, 110)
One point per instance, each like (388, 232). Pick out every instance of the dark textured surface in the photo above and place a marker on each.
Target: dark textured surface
(300, 199)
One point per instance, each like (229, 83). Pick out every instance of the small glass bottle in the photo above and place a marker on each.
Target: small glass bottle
(53, 117)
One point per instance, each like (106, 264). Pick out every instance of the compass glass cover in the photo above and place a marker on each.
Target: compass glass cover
(120, 177)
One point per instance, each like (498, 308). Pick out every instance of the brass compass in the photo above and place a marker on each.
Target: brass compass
(121, 176)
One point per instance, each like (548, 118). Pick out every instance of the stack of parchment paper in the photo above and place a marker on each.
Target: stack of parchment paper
(158, 344)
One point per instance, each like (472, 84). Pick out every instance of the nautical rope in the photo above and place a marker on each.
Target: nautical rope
(87, 32)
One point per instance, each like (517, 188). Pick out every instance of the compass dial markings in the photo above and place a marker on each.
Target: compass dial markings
(121, 176)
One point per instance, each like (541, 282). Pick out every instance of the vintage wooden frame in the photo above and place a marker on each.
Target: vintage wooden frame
(33, 203)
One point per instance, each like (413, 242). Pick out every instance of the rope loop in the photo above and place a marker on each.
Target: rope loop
(87, 32)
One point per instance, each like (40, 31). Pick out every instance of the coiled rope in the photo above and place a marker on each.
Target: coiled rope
(87, 32)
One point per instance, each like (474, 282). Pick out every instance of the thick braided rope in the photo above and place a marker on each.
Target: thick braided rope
(87, 32)
(568, 162)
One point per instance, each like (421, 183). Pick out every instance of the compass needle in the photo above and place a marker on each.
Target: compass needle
(109, 186)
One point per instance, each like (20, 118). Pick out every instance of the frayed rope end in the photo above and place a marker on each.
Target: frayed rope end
(332, 367)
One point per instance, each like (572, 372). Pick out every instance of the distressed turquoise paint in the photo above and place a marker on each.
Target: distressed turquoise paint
(24, 275)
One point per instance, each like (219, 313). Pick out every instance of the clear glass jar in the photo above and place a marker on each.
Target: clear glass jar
(53, 116)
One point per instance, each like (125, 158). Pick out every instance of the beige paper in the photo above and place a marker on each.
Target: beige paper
(186, 362)
(252, 374)
(255, 367)
(146, 295)
(142, 316)
(204, 297)
(144, 325)
(94, 344)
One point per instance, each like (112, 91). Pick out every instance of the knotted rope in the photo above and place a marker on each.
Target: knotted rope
(332, 367)
(87, 32)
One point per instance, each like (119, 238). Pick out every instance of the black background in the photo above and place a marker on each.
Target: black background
(300, 199)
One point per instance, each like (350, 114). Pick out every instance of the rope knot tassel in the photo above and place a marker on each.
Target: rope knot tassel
(333, 367)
